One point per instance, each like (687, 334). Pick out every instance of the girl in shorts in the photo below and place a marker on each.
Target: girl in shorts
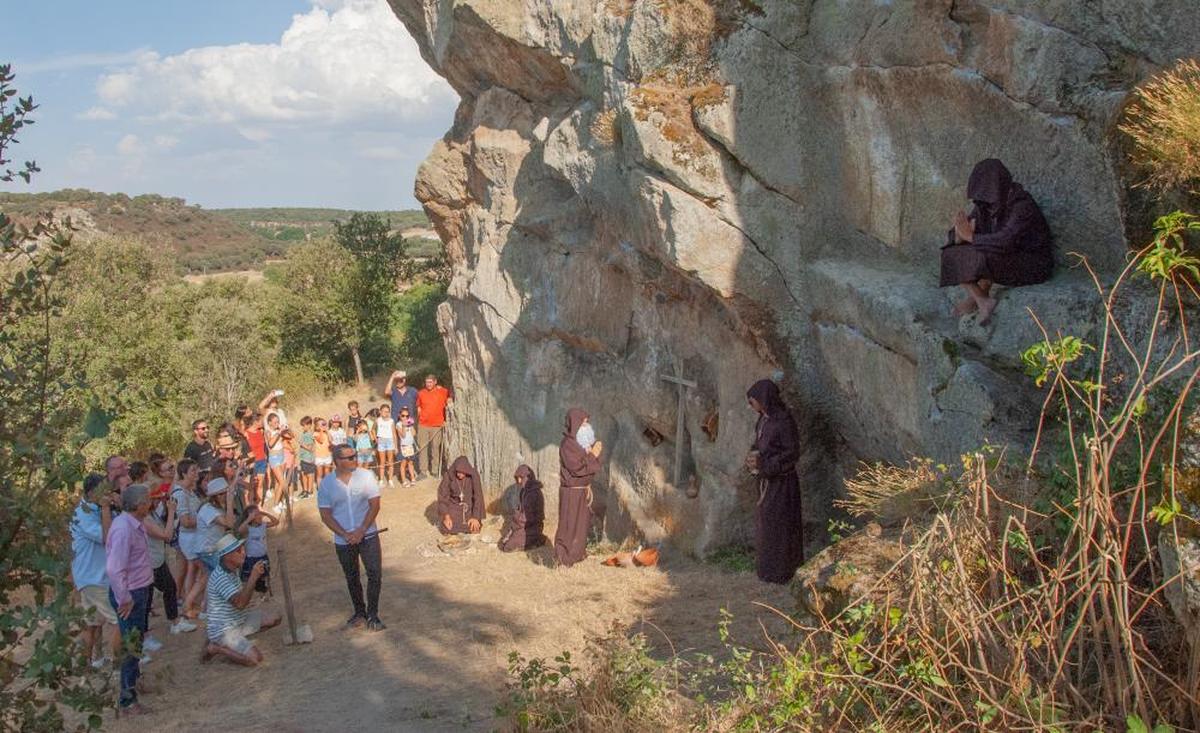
(362, 445)
(253, 527)
(276, 458)
(322, 450)
(408, 447)
(385, 445)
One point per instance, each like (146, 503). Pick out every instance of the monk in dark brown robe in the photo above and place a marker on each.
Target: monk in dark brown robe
(527, 521)
(577, 467)
(1004, 240)
(460, 499)
(779, 535)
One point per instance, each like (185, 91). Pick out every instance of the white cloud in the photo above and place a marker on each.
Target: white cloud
(384, 152)
(97, 113)
(70, 62)
(165, 142)
(130, 146)
(344, 60)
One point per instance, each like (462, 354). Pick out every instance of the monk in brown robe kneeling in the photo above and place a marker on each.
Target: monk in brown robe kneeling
(1004, 240)
(530, 516)
(460, 499)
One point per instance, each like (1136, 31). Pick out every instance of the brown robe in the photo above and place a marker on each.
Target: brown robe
(779, 526)
(1012, 240)
(527, 522)
(577, 468)
(462, 498)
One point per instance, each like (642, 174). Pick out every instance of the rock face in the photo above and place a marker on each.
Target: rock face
(744, 188)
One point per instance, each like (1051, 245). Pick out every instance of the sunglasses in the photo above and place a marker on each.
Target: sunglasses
(344, 457)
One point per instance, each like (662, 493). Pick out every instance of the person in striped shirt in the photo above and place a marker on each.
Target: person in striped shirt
(230, 621)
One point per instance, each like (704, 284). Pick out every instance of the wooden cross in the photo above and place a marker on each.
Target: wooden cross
(683, 384)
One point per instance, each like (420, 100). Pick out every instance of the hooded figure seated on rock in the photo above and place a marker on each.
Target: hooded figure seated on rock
(1004, 241)
(530, 516)
(460, 499)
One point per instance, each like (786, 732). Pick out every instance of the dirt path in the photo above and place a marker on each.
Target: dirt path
(452, 621)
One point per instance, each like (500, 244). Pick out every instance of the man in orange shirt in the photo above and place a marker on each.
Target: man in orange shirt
(432, 403)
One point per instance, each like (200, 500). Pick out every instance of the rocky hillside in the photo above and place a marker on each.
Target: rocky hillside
(744, 188)
(204, 240)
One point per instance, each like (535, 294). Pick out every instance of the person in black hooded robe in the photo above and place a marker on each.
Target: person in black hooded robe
(530, 516)
(460, 499)
(779, 538)
(1004, 240)
(577, 467)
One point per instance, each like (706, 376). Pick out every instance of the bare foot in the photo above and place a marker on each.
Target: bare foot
(964, 307)
(207, 653)
(986, 307)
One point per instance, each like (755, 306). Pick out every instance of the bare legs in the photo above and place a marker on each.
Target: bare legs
(979, 299)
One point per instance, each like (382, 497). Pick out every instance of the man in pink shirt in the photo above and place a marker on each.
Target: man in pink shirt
(130, 576)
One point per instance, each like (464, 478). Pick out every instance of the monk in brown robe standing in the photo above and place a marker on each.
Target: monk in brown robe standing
(579, 462)
(779, 538)
(460, 499)
(1004, 240)
(530, 516)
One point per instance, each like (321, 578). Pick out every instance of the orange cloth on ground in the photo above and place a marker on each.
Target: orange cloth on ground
(431, 406)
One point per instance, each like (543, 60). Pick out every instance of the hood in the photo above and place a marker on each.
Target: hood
(766, 393)
(525, 472)
(462, 465)
(575, 418)
(990, 183)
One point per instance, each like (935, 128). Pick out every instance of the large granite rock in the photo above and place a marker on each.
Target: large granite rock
(747, 188)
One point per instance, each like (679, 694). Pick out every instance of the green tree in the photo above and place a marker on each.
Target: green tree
(311, 307)
(380, 262)
(40, 463)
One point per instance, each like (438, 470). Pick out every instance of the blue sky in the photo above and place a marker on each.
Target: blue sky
(226, 102)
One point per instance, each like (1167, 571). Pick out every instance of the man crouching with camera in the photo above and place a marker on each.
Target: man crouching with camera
(229, 620)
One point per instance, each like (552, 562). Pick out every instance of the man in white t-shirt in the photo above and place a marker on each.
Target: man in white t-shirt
(348, 499)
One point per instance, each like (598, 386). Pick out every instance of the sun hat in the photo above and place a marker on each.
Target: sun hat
(401, 374)
(226, 442)
(224, 545)
(217, 486)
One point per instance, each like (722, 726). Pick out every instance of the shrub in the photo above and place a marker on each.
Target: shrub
(1164, 123)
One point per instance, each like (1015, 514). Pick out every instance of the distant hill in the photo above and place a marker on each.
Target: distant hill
(204, 240)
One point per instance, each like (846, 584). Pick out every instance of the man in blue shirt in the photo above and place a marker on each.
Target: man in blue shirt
(348, 499)
(89, 530)
(402, 395)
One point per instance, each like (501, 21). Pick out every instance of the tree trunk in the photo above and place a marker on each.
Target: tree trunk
(357, 364)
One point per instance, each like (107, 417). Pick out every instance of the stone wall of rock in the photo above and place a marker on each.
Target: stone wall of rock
(732, 189)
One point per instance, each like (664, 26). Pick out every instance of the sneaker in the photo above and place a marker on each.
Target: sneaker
(146, 659)
(102, 663)
(356, 621)
(182, 626)
(374, 624)
(151, 644)
(202, 616)
(280, 507)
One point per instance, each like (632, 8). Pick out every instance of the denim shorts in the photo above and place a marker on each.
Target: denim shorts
(308, 468)
(260, 468)
(276, 459)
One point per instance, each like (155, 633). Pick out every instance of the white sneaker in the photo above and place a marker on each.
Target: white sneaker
(280, 507)
(145, 659)
(102, 663)
(151, 644)
(182, 626)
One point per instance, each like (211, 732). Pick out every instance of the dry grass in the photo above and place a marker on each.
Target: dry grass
(1164, 123)
(606, 128)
